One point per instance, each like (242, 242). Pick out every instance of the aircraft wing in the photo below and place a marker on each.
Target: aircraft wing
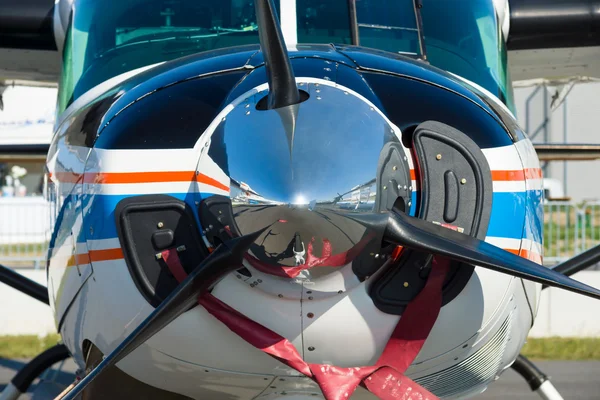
(28, 53)
(554, 41)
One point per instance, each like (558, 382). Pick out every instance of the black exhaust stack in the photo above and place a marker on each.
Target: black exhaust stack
(282, 82)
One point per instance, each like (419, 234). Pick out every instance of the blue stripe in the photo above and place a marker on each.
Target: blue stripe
(508, 214)
(535, 216)
(101, 214)
(507, 217)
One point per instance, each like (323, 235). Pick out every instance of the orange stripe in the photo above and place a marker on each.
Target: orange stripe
(151, 177)
(188, 176)
(106, 255)
(207, 180)
(95, 255)
(67, 177)
(517, 175)
(508, 175)
(531, 256)
(139, 177)
(78, 259)
(533, 173)
(82, 259)
(117, 254)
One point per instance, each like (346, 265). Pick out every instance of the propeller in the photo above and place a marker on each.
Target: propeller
(425, 236)
(283, 91)
(225, 259)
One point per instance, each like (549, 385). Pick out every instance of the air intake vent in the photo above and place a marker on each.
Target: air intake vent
(480, 367)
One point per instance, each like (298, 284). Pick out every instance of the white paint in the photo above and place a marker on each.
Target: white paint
(21, 314)
(289, 25)
(504, 243)
(502, 158)
(567, 314)
(503, 12)
(152, 188)
(62, 10)
(509, 186)
(157, 368)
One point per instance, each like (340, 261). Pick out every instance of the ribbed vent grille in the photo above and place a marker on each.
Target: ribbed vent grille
(478, 368)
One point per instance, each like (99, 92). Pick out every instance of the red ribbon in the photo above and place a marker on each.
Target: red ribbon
(385, 379)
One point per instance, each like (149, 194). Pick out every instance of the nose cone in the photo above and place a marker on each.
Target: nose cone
(306, 171)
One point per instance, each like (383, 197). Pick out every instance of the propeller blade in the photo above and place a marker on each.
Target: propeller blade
(283, 91)
(225, 259)
(425, 236)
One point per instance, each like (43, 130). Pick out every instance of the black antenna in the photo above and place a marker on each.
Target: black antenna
(282, 82)
(418, 4)
(354, 33)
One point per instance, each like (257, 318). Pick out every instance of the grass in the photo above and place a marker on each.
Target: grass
(565, 229)
(23, 254)
(24, 249)
(556, 348)
(26, 346)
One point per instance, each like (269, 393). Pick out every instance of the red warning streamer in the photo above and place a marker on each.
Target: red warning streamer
(385, 379)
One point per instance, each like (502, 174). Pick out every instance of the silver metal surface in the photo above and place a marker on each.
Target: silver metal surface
(547, 391)
(303, 170)
(10, 392)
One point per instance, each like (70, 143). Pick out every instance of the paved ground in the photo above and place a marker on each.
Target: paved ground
(574, 379)
(55, 380)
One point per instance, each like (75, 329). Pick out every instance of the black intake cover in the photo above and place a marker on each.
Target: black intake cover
(216, 217)
(456, 192)
(457, 188)
(393, 178)
(393, 191)
(148, 225)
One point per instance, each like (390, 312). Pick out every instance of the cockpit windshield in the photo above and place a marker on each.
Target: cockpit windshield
(465, 37)
(109, 38)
